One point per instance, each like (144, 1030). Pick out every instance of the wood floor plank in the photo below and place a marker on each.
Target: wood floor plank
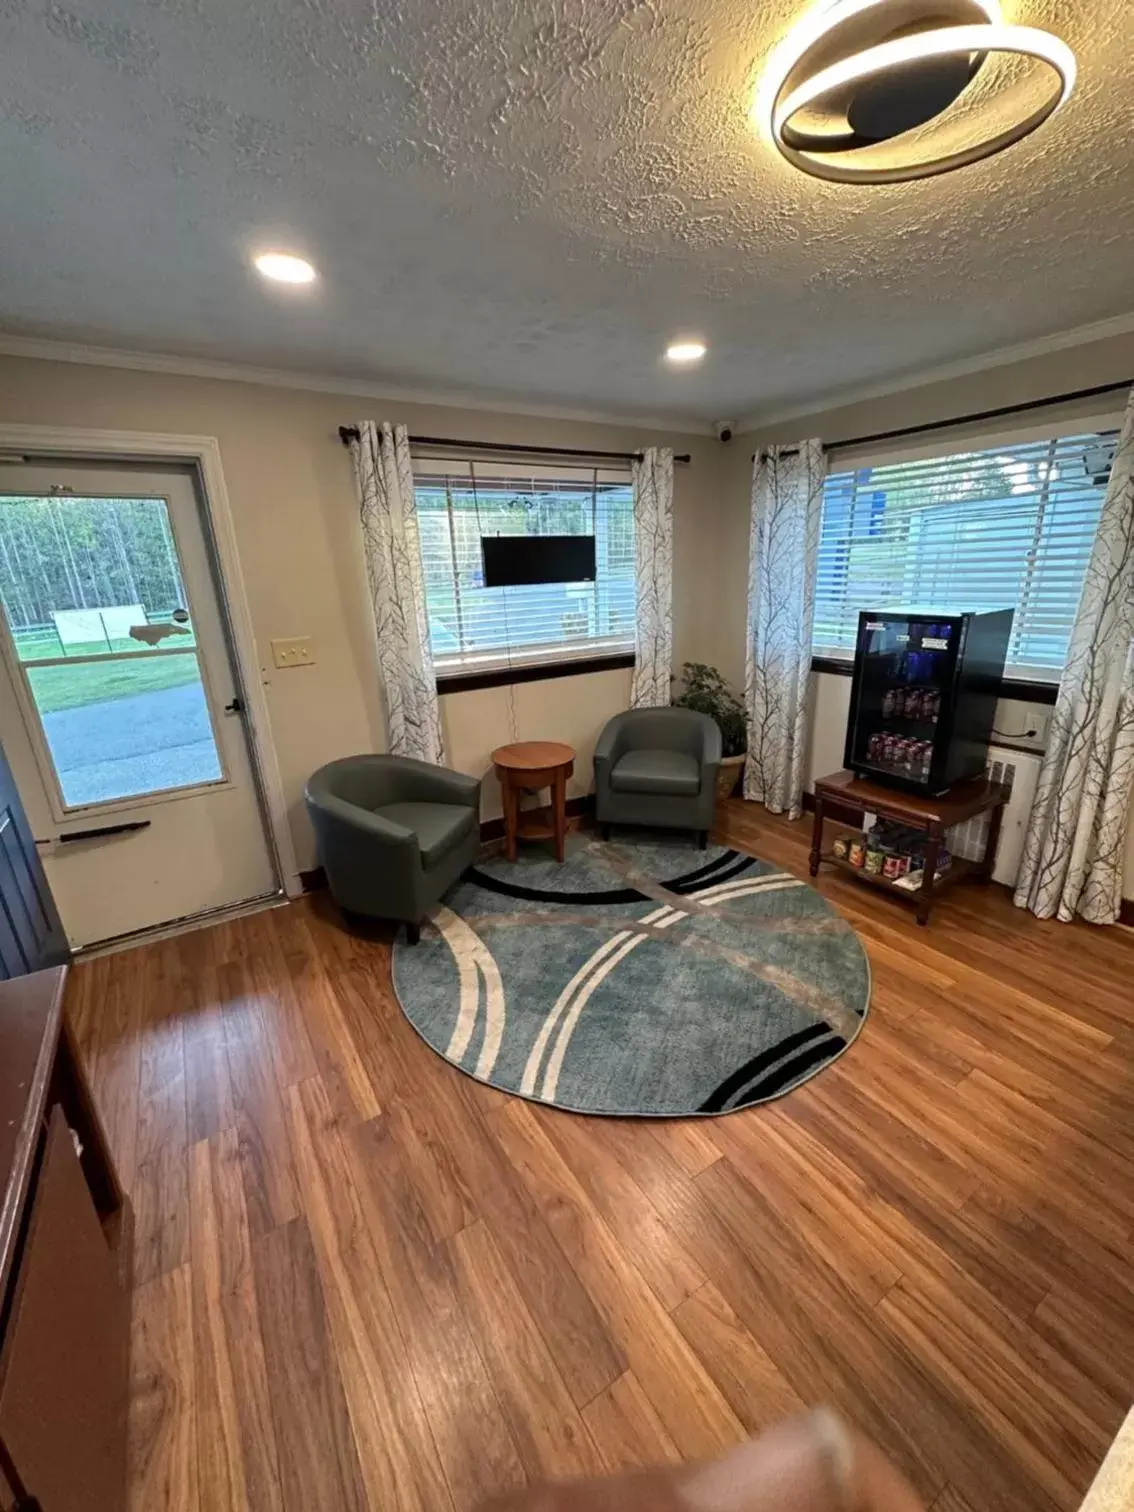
(161, 1213)
(909, 1409)
(474, 1442)
(933, 1234)
(884, 1142)
(544, 1422)
(633, 1220)
(163, 1415)
(162, 1114)
(826, 1216)
(318, 1463)
(992, 1147)
(313, 1001)
(433, 1169)
(626, 1429)
(399, 1459)
(691, 1144)
(1047, 1251)
(220, 1453)
(753, 1387)
(1041, 1426)
(116, 1065)
(265, 1149)
(208, 1093)
(889, 1220)
(237, 1456)
(1095, 1337)
(951, 1500)
(695, 1414)
(568, 1316)
(287, 1032)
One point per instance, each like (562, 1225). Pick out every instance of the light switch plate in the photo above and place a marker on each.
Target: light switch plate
(294, 652)
(1039, 719)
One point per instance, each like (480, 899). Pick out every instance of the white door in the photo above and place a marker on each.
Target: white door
(119, 705)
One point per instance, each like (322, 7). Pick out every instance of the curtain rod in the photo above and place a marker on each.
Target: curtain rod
(349, 433)
(992, 414)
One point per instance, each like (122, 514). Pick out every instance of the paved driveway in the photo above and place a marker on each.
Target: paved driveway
(133, 745)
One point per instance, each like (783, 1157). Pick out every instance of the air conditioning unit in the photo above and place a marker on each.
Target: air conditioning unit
(1019, 770)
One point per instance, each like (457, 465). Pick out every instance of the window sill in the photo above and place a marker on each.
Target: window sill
(503, 677)
(1010, 687)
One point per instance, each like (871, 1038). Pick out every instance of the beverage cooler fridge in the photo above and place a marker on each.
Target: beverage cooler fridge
(923, 697)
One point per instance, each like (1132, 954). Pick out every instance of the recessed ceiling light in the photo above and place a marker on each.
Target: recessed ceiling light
(685, 351)
(848, 94)
(282, 267)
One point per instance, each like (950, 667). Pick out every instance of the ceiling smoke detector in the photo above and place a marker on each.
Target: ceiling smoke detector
(848, 94)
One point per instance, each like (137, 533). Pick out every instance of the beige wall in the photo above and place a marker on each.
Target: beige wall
(293, 504)
(572, 709)
(294, 511)
(1059, 372)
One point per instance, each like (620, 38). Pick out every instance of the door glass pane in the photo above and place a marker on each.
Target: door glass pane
(96, 606)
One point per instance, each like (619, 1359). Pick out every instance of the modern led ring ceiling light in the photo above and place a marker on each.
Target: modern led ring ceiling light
(865, 91)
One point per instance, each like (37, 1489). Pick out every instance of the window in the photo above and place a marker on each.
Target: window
(92, 592)
(1008, 527)
(472, 627)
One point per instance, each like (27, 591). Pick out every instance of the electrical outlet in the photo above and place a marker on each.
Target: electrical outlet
(295, 652)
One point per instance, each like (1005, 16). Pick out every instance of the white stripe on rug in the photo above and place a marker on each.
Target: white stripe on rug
(744, 885)
(562, 1002)
(600, 966)
(493, 1010)
(459, 938)
(555, 1064)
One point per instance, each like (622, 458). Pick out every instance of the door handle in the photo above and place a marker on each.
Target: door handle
(104, 830)
(235, 707)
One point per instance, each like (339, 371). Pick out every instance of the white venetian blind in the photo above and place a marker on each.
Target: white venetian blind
(474, 627)
(1010, 527)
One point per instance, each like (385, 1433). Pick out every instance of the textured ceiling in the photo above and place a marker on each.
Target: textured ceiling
(524, 199)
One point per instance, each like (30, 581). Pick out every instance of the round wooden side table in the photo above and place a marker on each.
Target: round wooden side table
(526, 767)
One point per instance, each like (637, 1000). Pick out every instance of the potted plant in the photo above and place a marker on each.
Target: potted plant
(704, 689)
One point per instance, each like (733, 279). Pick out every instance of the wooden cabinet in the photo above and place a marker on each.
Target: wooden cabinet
(64, 1233)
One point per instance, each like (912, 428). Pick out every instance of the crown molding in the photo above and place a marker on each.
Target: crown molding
(1099, 330)
(42, 349)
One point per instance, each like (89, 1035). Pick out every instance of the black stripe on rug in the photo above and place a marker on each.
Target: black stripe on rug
(783, 1076)
(685, 883)
(690, 890)
(742, 1076)
(726, 858)
(545, 894)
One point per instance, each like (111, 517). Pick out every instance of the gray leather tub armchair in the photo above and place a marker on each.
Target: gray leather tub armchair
(393, 834)
(658, 767)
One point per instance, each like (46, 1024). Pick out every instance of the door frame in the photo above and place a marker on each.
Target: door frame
(64, 444)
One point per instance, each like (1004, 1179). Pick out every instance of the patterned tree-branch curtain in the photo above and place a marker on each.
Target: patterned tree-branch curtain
(1077, 828)
(787, 504)
(397, 590)
(653, 547)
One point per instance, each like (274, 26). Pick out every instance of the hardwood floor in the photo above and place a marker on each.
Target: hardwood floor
(365, 1281)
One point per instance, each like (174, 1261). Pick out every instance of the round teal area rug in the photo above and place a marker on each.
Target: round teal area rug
(638, 978)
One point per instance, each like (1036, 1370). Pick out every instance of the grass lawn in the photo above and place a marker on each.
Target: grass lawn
(63, 687)
(59, 688)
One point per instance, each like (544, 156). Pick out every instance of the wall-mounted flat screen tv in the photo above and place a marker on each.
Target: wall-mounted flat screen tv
(513, 560)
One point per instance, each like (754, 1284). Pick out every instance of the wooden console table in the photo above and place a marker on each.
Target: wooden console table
(933, 815)
(527, 767)
(65, 1241)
